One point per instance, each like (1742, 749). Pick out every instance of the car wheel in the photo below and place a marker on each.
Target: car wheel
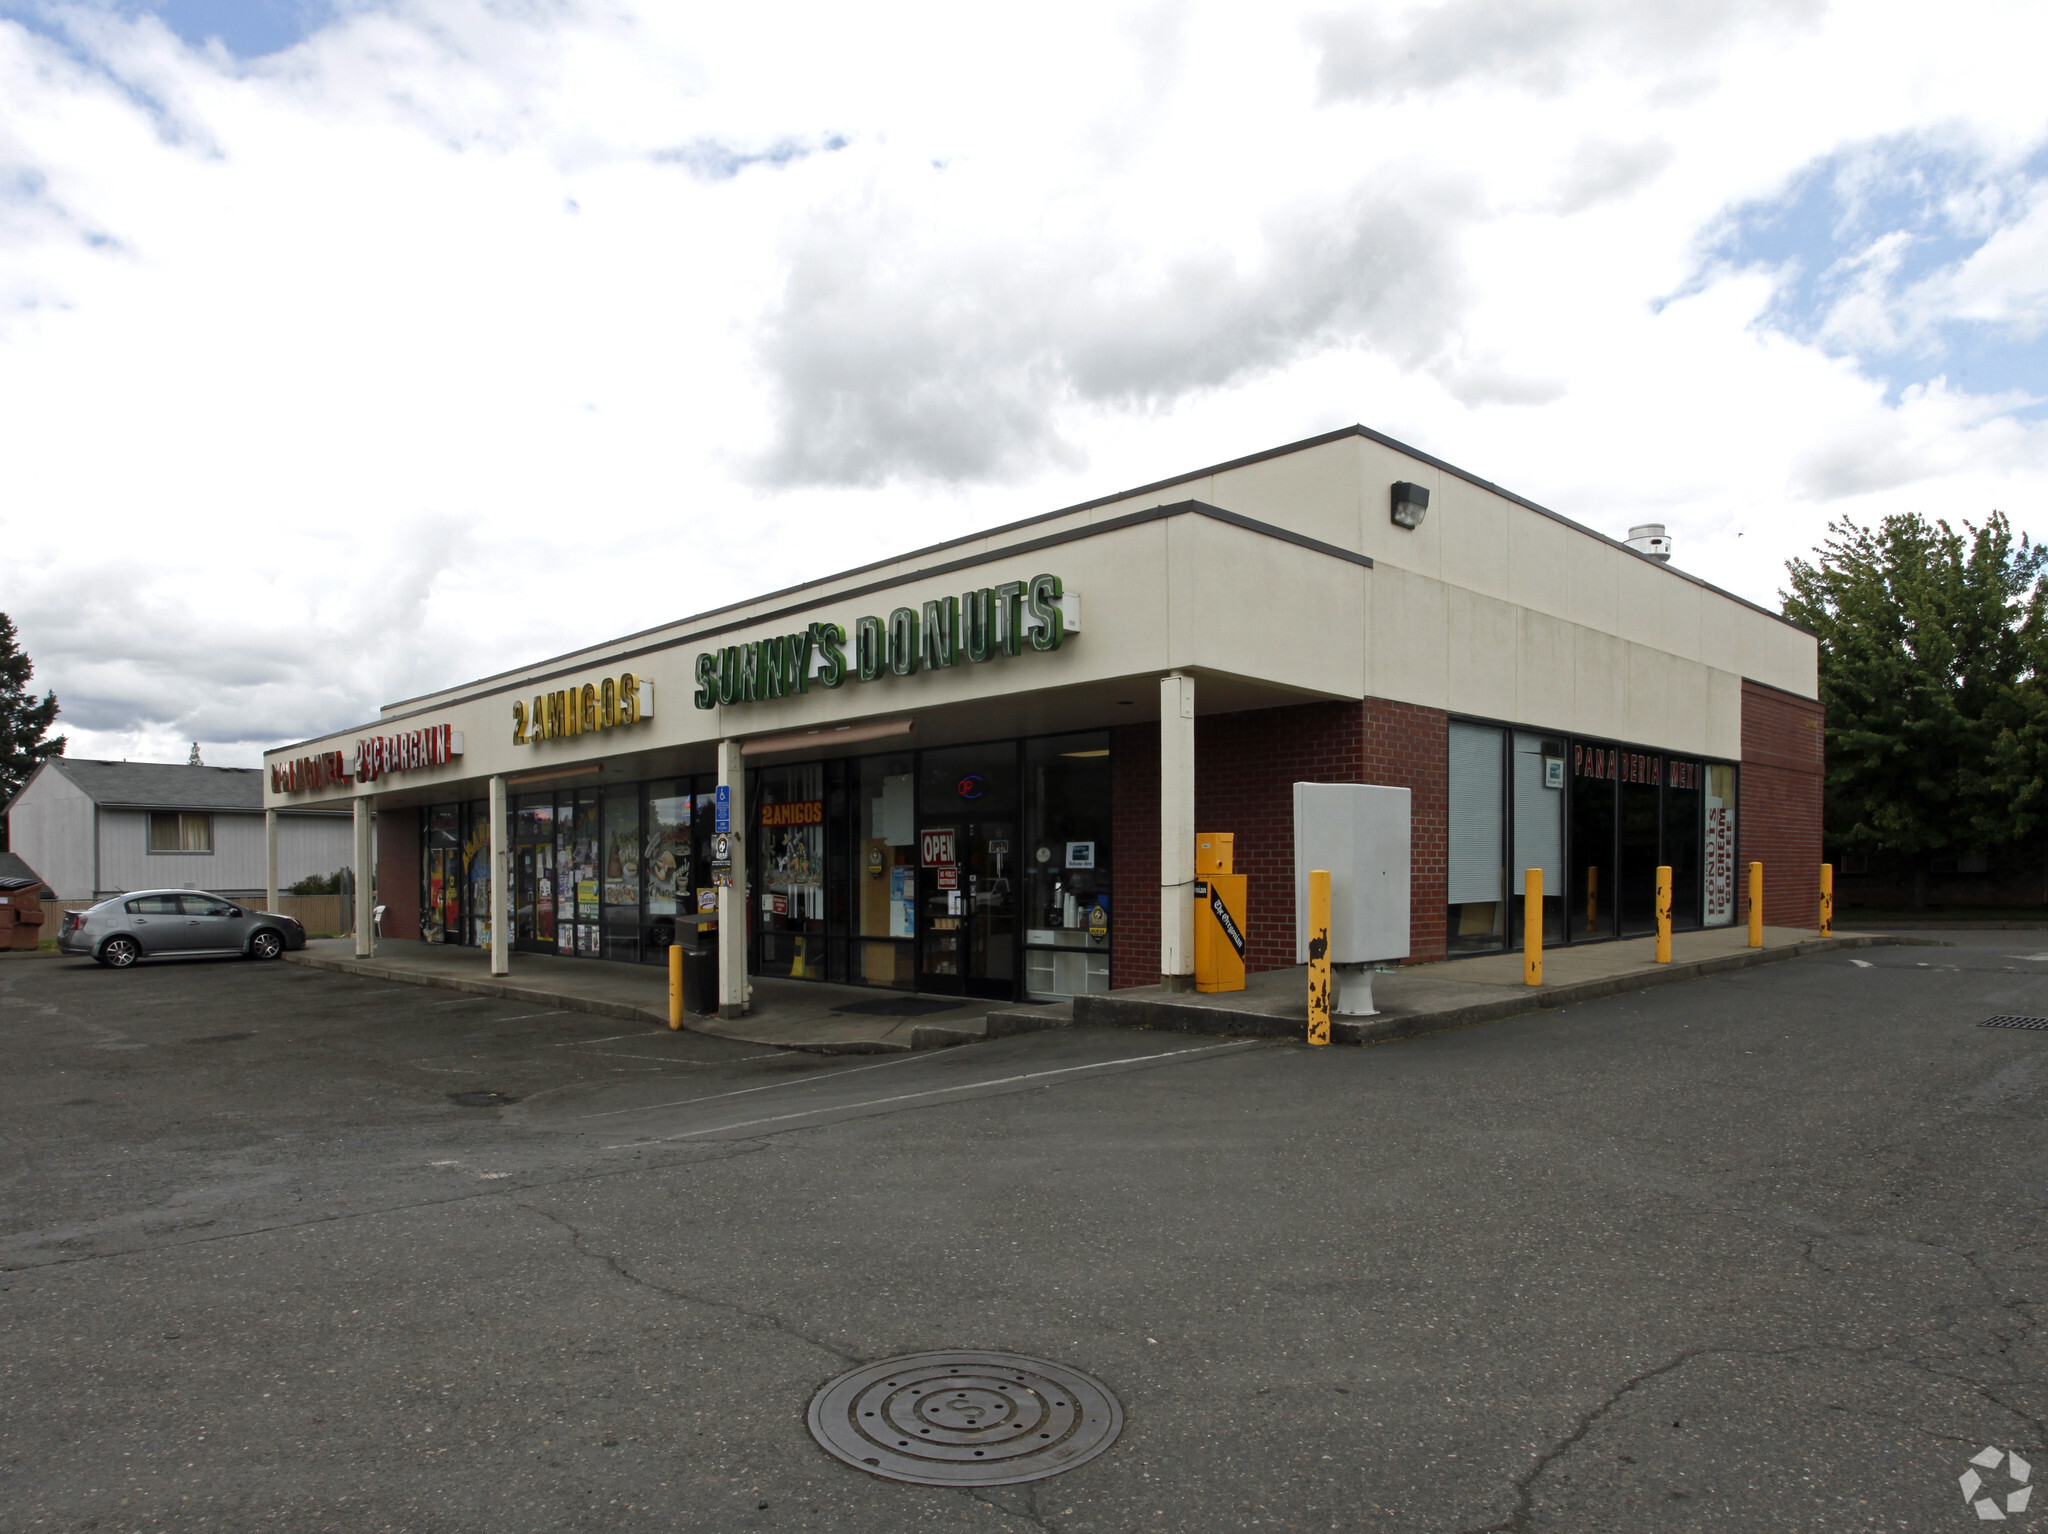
(266, 945)
(119, 952)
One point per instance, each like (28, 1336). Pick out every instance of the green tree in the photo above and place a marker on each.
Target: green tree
(1932, 643)
(24, 723)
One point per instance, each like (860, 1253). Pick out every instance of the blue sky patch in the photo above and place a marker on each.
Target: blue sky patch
(248, 29)
(1859, 244)
(709, 160)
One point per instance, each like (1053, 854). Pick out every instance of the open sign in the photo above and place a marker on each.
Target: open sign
(935, 848)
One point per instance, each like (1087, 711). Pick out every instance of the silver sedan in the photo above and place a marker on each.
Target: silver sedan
(175, 924)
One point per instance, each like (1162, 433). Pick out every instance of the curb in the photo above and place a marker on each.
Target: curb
(1110, 1011)
(1964, 924)
(923, 1036)
(504, 990)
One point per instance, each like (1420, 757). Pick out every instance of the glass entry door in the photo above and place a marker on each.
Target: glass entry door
(967, 879)
(533, 899)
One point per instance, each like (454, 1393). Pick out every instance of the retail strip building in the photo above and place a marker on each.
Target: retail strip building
(978, 769)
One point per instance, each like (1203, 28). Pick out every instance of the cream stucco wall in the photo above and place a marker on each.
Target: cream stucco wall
(1492, 608)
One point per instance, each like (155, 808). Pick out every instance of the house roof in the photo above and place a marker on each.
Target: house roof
(163, 785)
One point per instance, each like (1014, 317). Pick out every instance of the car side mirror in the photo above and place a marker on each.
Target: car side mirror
(234, 910)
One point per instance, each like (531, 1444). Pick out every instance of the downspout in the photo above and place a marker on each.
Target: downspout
(95, 850)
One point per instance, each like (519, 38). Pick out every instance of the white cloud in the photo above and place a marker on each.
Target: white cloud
(464, 333)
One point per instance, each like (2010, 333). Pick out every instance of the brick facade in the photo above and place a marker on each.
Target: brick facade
(1246, 766)
(1134, 846)
(398, 871)
(1783, 754)
(1410, 747)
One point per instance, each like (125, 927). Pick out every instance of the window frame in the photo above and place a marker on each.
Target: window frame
(181, 823)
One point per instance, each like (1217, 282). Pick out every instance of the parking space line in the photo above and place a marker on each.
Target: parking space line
(684, 1102)
(965, 1086)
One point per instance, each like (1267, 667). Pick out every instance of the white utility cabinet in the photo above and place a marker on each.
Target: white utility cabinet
(1360, 833)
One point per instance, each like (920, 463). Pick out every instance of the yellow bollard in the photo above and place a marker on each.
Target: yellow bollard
(1756, 905)
(1532, 926)
(1827, 899)
(1319, 957)
(675, 986)
(1663, 913)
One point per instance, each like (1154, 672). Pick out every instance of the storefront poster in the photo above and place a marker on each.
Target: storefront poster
(1720, 861)
(902, 902)
(667, 854)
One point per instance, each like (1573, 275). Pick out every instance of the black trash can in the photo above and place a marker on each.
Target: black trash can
(700, 973)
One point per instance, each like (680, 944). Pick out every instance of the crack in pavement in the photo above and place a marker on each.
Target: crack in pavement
(1524, 1485)
(727, 1151)
(582, 1247)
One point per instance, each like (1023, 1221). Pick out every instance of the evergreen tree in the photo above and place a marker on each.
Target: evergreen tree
(24, 723)
(1932, 647)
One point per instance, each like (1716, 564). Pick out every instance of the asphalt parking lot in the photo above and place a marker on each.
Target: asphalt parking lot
(1762, 1251)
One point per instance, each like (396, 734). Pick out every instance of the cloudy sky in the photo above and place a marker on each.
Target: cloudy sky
(349, 349)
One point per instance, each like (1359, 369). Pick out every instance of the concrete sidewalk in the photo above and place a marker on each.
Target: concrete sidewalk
(843, 1019)
(785, 1014)
(1427, 998)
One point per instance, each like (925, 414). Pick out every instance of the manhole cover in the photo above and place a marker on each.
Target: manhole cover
(2014, 1022)
(965, 1419)
(481, 1099)
(898, 1006)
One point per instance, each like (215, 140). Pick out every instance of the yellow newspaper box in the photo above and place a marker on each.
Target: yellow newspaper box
(1213, 852)
(1219, 932)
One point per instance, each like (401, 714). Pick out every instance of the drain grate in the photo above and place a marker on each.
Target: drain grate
(898, 1006)
(481, 1099)
(965, 1419)
(2014, 1022)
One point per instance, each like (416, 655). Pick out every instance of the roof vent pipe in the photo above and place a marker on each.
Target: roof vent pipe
(1651, 539)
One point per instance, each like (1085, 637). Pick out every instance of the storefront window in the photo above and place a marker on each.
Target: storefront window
(618, 880)
(1682, 796)
(476, 862)
(670, 891)
(1639, 775)
(789, 878)
(1065, 866)
(441, 874)
(1537, 771)
(884, 872)
(533, 872)
(1589, 877)
(1477, 870)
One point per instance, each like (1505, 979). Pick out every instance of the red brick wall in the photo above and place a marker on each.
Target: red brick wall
(1409, 747)
(1779, 824)
(1134, 847)
(398, 871)
(1246, 766)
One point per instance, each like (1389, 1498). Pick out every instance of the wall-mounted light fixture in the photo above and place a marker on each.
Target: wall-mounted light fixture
(1411, 504)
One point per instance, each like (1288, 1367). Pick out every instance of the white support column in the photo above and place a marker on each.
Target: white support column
(270, 901)
(501, 871)
(732, 906)
(361, 807)
(1177, 832)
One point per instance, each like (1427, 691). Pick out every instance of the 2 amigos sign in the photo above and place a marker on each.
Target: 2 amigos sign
(1039, 614)
(602, 705)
